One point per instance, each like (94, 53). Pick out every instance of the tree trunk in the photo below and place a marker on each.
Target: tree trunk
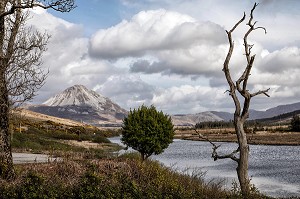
(6, 161)
(242, 169)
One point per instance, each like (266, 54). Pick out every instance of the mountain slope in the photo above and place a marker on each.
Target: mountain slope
(192, 119)
(275, 111)
(84, 105)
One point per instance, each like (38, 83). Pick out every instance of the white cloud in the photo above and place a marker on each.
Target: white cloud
(128, 91)
(190, 99)
(67, 56)
(282, 60)
(179, 42)
(153, 30)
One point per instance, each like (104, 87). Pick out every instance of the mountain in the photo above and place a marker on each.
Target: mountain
(272, 112)
(269, 114)
(84, 105)
(282, 118)
(192, 119)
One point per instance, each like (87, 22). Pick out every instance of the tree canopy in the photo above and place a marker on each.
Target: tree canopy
(147, 130)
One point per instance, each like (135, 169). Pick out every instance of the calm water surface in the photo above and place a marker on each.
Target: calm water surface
(275, 170)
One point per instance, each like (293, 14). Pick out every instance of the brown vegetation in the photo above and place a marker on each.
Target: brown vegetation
(270, 137)
(121, 177)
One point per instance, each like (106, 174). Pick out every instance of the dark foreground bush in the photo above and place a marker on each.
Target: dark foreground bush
(110, 178)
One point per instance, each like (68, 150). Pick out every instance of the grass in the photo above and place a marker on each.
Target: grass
(120, 177)
(49, 138)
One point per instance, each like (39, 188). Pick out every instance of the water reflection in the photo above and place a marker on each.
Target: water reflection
(274, 170)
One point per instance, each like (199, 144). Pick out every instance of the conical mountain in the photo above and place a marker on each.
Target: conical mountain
(81, 104)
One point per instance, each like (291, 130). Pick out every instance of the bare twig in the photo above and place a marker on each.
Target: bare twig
(215, 154)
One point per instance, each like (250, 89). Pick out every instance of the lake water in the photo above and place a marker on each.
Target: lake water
(274, 170)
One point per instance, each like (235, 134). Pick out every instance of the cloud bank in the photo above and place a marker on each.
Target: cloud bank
(131, 61)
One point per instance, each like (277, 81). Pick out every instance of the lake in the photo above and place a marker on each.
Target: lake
(274, 170)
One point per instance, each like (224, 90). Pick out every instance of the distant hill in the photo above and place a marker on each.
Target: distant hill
(284, 118)
(38, 117)
(272, 112)
(192, 119)
(81, 104)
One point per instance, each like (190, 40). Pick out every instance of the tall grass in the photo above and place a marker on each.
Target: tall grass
(121, 177)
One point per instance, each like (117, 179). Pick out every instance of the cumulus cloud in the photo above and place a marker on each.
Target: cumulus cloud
(67, 56)
(153, 30)
(190, 99)
(128, 91)
(202, 60)
(282, 60)
(161, 42)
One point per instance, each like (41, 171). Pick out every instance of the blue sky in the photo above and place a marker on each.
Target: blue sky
(170, 52)
(94, 14)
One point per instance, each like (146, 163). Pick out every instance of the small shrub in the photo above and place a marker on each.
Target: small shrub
(100, 139)
(90, 186)
(295, 123)
(147, 130)
(32, 186)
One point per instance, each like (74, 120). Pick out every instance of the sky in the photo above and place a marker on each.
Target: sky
(170, 53)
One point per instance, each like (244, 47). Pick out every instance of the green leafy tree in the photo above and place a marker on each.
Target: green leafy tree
(295, 123)
(147, 130)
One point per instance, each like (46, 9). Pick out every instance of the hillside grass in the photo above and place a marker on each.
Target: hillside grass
(51, 138)
(119, 177)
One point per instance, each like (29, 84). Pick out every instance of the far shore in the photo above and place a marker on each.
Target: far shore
(228, 135)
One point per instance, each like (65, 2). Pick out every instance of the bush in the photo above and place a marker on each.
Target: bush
(147, 131)
(101, 139)
(123, 177)
(295, 123)
(33, 186)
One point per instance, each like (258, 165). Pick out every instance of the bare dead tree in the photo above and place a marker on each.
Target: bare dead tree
(236, 89)
(21, 76)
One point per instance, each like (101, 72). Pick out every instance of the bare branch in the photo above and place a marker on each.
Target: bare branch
(215, 154)
(226, 65)
(58, 5)
(265, 30)
(231, 155)
(261, 92)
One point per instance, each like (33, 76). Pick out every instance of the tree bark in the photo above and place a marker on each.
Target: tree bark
(242, 168)
(6, 161)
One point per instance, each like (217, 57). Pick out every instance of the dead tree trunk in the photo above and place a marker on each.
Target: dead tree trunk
(238, 90)
(242, 168)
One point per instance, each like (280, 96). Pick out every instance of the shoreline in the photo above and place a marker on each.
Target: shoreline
(258, 138)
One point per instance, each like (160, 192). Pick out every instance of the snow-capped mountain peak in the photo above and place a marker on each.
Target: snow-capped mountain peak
(77, 95)
(84, 105)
